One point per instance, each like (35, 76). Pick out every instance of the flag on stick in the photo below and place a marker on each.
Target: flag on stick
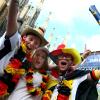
(95, 13)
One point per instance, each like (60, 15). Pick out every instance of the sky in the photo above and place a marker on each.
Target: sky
(70, 20)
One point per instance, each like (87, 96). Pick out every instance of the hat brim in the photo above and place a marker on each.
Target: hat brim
(31, 31)
(73, 52)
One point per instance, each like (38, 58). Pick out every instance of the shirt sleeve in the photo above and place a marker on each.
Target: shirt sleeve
(9, 44)
(14, 41)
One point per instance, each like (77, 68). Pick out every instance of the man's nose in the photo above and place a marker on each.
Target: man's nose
(64, 57)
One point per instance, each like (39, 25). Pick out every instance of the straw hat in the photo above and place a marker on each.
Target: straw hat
(39, 32)
(66, 51)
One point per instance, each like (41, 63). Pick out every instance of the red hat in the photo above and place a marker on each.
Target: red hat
(66, 51)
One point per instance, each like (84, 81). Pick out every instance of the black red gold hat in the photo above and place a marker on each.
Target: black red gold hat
(66, 51)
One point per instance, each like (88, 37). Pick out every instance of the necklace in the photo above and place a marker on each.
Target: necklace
(63, 87)
(14, 70)
(29, 82)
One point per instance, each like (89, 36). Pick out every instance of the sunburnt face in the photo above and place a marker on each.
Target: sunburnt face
(64, 62)
(39, 59)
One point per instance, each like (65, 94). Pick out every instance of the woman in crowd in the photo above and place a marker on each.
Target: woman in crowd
(32, 82)
(32, 85)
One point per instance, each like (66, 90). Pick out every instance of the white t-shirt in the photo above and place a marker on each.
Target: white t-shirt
(21, 93)
(15, 42)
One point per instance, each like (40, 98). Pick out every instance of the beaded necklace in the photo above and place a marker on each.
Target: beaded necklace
(14, 70)
(63, 87)
(29, 82)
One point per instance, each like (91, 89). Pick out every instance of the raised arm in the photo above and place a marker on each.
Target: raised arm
(85, 54)
(12, 18)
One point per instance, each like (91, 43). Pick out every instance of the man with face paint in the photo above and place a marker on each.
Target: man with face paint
(69, 83)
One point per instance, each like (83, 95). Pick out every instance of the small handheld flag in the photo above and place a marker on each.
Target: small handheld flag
(95, 13)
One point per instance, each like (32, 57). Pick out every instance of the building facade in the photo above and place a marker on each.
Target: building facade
(31, 16)
(3, 16)
(4, 11)
(37, 12)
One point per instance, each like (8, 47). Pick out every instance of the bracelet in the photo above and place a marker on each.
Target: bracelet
(92, 73)
(97, 74)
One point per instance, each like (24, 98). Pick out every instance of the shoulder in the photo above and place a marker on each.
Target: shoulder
(54, 72)
(15, 36)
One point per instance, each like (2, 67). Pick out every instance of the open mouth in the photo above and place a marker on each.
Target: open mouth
(63, 63)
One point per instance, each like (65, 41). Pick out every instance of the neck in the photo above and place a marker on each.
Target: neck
(68, 71)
